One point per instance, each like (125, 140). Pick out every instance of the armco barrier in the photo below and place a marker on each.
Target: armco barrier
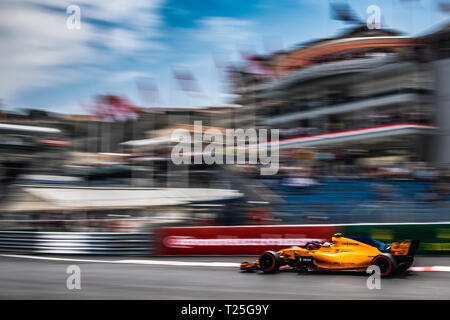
(241, 240)
(98, 243)
(253, 240)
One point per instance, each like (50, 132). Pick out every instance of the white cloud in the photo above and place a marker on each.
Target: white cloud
(138, 14)
(37, 50)
(225, 34)
(225, 37)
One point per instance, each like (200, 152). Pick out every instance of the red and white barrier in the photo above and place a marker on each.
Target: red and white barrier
(245, 240)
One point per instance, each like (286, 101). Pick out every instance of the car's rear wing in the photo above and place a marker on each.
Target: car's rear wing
(404, 248)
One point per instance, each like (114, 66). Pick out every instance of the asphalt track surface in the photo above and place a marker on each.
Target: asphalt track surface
(24, 278)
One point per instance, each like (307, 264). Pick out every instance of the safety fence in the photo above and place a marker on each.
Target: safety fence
(211, 240)
(252, 240)
(93, 243)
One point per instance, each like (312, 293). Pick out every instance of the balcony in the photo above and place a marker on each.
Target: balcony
(355, 135)
(325, 70)
(352, 104)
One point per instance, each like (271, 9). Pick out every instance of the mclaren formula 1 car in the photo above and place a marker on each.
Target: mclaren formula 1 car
(342, 253)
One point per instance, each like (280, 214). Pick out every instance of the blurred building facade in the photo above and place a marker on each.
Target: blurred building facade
(362, 100)
(371, 90)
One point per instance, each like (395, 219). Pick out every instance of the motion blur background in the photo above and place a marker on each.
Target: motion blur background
(87, 114)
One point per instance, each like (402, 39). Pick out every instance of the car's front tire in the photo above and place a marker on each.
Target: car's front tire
(269, 262)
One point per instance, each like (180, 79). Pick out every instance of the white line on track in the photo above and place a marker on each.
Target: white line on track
(185, 263)
(128, 261)
(54, 259)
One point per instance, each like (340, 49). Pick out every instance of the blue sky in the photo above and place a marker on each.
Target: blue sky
(46, 65)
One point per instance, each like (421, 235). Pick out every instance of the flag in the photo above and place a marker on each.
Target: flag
(343, 12)
(444, 6)
(149, 93)
(187, 81)
(255, 65)
(114, 108)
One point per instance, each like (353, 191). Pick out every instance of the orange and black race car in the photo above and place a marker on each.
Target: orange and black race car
(342, 253)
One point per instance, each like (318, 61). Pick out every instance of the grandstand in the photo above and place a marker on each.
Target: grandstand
(338, 200)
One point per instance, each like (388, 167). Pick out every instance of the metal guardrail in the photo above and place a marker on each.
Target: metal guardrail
(98, 243)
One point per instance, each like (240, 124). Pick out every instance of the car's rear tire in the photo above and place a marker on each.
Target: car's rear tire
(385, 263)
(269, 262)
